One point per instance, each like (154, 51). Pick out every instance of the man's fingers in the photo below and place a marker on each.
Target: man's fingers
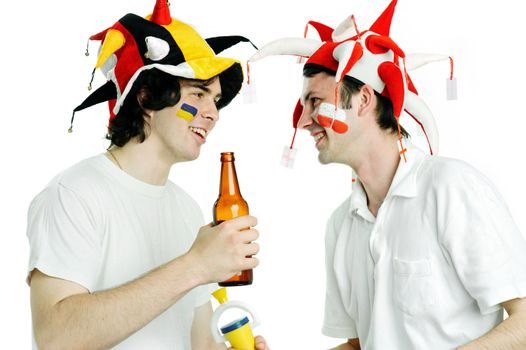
(247, 236)
(250, 263)
(241, 222)
(251, 249)
(261, 344)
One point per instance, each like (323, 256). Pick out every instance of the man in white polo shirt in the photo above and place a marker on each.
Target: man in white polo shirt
(424, 253)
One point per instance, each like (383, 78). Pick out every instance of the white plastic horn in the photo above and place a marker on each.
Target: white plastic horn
(417, 60)
(288, 46)
(417, 108)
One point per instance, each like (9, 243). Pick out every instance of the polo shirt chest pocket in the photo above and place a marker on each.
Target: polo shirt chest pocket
(413, 285)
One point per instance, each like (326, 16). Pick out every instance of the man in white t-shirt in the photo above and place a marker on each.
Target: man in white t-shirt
(120, 256)
(424, 254)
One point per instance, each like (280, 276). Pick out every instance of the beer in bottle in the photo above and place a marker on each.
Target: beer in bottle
(230, 205)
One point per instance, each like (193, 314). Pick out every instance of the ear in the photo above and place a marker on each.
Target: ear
(141, 96)
(367, 100)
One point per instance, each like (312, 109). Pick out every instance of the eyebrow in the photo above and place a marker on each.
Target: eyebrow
(202, 86)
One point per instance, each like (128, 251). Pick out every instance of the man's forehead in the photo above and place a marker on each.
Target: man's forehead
(320, 83)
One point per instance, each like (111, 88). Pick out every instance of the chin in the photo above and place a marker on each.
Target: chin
(189, 156)
(324, 158)
(194, 156)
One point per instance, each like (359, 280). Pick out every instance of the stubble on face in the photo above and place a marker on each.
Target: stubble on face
(324, 157)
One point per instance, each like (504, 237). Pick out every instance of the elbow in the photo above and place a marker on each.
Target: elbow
(57, 344)
(47, 339)
(47, 344)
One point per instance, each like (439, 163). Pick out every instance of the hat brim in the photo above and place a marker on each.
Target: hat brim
(228, 70)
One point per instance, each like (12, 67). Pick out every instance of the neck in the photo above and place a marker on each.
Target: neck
(142, 161)
(376, 169)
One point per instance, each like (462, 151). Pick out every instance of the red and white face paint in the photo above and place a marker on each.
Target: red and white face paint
(332, 118)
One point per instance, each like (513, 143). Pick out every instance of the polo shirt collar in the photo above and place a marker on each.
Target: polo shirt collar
(404, 182)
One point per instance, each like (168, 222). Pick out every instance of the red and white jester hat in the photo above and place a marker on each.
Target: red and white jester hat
(134, 44)
(370, 56)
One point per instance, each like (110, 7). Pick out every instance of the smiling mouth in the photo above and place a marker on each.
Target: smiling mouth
(199, 131)
(319, 136)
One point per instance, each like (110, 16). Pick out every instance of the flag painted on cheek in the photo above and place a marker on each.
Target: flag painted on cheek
(187, 112)
(330, 117)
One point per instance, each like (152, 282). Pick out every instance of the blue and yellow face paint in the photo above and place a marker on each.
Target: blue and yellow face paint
(187, 112)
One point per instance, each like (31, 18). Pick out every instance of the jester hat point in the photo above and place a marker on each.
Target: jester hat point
(369, 56)
(135, 44)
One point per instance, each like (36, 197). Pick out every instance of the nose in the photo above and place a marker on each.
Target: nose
(305, 119)
(209, 111)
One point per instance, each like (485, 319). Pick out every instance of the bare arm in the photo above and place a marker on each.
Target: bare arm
(510, 334)
(352, 344)
(201, 337)
(66, 316)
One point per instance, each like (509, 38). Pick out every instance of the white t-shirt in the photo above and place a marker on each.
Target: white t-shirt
(99, 227)
(430, 271)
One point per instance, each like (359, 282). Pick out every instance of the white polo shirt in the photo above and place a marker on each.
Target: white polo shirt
(430, 271)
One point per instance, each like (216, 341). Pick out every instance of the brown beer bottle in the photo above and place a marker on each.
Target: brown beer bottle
(230, 205)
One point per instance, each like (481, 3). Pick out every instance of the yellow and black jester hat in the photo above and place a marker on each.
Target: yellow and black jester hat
(135, 44)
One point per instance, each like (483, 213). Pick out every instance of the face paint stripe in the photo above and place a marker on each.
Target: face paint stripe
(187, 112)
(189, 108)
(330, 117)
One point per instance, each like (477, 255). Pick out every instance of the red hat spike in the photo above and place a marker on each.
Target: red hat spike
(410, 86)
(325, 32)
(379, 44)
(351, 57)
(383, 23)
(161, 13)
(99, 36)
(394, 83)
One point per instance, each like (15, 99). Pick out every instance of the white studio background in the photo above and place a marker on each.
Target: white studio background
(45, 74)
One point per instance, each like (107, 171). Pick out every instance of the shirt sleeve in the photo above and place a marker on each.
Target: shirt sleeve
(337, 323)
(63, 239)
(485, 246)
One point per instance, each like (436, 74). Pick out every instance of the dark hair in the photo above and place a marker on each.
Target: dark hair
(153, 90)
(384, 108)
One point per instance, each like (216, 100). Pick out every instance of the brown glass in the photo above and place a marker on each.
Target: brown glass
(230, 204)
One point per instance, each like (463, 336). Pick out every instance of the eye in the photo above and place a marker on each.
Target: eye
(314, 101)
(198, 94)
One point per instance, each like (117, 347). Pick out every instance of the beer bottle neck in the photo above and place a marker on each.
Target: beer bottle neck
(228, 185)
